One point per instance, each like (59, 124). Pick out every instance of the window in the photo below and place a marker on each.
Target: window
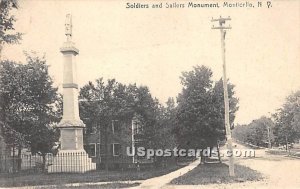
(93, 130)
(116, 149)
(91, 149)
(137, 129)
(115, 126)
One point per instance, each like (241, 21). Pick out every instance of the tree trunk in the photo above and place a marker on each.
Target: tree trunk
(202, 160)
(14, 158)
(44, 166)
(218, 149)
(286, 143)
(106, 151)
(19, 159)
(1, 47)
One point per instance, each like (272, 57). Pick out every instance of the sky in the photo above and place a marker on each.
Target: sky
(153, 47)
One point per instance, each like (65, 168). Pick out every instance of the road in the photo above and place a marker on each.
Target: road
(278, 171)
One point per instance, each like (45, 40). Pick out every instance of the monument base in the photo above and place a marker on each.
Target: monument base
(71, 161)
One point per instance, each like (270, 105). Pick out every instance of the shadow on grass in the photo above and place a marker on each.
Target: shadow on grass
(35, 179)
(215, 174)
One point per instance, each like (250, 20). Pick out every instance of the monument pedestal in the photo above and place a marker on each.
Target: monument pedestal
(71, 158)
(71, 161)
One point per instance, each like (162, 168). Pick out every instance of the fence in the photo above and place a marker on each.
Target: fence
(13, 164)
(70, 162)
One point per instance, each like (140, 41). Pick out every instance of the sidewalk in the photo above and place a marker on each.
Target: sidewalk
(72, 184)
(159, 182)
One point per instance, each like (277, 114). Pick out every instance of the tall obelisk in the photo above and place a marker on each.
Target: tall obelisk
(71, 156)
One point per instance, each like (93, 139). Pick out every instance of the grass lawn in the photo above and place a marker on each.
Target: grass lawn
(34, 179)
(103, 186)
(215, 174)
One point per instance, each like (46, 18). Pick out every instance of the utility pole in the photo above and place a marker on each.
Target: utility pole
(223, 29)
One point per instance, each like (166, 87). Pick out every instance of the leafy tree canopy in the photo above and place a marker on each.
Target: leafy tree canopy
(103, 102)
(7, 20)
(287, 120)
(29, 102)
(200, 110)
(256, 132)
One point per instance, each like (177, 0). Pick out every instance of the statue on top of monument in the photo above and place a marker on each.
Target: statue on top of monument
(68, 26)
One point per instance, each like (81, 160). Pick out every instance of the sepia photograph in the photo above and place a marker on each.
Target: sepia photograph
(149, 94)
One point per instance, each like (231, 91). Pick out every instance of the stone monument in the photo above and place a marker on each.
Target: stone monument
(71, 157)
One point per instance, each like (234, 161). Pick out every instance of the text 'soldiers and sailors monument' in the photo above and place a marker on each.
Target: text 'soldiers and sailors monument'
(71, 157)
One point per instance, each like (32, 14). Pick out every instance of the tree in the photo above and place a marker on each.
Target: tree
(7, 36)
(287, 120)
(7, 23)
(200, 111)
(240, 132)
(28, 103)
(164, 137)
(103, 102)
(99, 107)
(256, 132)
(165, 124)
